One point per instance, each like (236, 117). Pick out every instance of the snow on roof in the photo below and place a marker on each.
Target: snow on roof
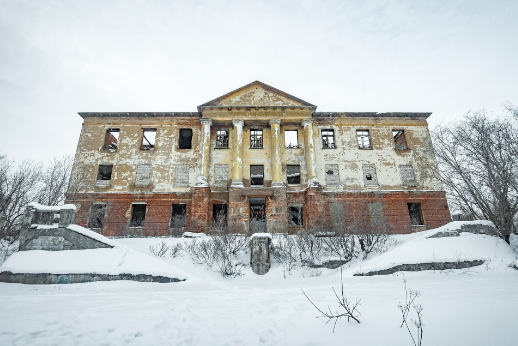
(58, 208)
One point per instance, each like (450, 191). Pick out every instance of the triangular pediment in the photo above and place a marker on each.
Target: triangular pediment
(257, 94)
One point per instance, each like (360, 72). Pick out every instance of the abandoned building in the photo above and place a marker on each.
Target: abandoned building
(260, 159)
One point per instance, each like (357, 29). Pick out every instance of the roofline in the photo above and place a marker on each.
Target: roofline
(213, 103)
(372, 114)
(138, 114)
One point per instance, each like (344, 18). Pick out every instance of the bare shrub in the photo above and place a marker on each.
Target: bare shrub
(347, 309)
(202, 251)
(159, 249)
(310, 249)
(285, 251)
(342, 245)
(176, 250)
(371, 238)
(410, 297)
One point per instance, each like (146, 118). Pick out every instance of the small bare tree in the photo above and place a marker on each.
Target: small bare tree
(478, 164)
(54, 179)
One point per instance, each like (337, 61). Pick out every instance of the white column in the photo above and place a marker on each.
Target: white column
(237, 154)
(203, 175)
(309, 148)
(275, 125)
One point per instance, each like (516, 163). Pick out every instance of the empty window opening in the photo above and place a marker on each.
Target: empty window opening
(257, 214)
(219, 214)
(293, 174)
(148, 139)
(399, 139)
(178, 215)
(185, 139)
(138, 215)
(328, 139)
(111, 140)
(414, 209)
(296, 216)
(257, 175)
(291, 139)
(364, 141)
(105, 172)
(256, 138)
(222, 139)
(368, 176)
(96, 217)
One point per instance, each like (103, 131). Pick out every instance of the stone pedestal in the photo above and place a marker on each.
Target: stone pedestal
(260, 253)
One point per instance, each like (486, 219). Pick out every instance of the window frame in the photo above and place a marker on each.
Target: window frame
(180, 143)
(285, 138)
(225, 136)
(300, 218)
(403, 141)
(325, 139)
(148, 146)
(184, 213)
(251, 178)
(361, 145)
(104, 214)
(257, 138)
(107, 144)
(288, 178)
(133, 220)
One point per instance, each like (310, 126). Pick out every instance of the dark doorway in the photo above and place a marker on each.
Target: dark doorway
(257, 214)
(178, 215)
(138, 215)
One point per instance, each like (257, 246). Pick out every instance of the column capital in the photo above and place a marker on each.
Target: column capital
(206, 121)
(275, 121)
(306, 122)
(237, 122)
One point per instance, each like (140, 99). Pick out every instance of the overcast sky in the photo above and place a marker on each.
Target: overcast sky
(58, 58)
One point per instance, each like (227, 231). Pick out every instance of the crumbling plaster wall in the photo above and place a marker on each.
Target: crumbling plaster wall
(90, 154)
(350, 158)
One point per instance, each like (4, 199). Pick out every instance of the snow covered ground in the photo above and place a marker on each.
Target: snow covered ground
(475, 306)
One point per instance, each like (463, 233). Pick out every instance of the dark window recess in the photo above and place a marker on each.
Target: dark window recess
(178, 215)
(219, 213)
(368, 176)
(416, 218)
(256, 138)
(138, 215)
(291, 139)
(222, 139)
(296, 216)
(364, 140)
(185, 139)
(257, 175)
(111, 140)
(96, 217)
(328, 139)
(293, 174)
(148, 139)
(105, 172)
(257, 214)
(399, 140)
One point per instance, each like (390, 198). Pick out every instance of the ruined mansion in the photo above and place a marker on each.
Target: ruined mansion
(259, 159)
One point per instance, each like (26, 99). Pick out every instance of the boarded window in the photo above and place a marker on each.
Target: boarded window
(296, 218)
(219, 214)
(256, 175)
(111, 140)
(256, 138)
(364, 140)
(337, 213)
(328, 139)
(104, 175)
(178, 215)
(148, 139)
(143, 175)
(181, 175)
(369, 175)
(291, 139)
(97, 214)
(414, 209)
(332, 177)
(293, 174)
(399, 139)
(407, 175)
(221, 175)
(376, 214)
(138, 215)
(222, 139)
(185, 141)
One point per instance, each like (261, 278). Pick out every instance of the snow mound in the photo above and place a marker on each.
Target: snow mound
(423, 249)
(115, 261)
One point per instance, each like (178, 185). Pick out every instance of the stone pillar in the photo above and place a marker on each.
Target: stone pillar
(260, 253)
(203, 175)
(276, 152)
(237, 154)
(309, 149)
